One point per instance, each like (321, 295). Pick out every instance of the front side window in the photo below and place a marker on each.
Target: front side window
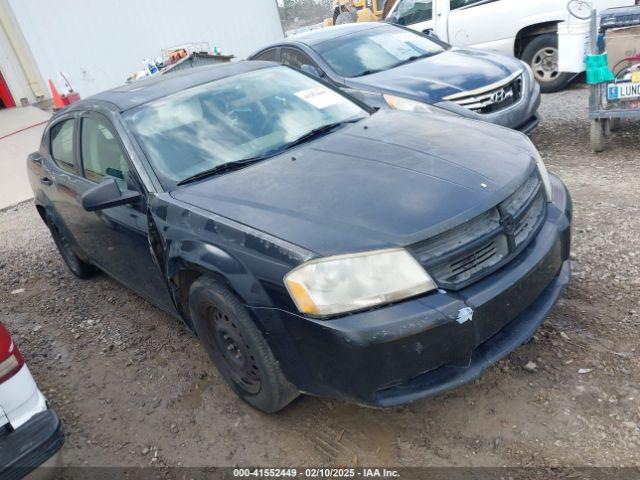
(410, 12)
(61, 135)
(375, 50)
(255, 114)
(102, 154)
(458, 4)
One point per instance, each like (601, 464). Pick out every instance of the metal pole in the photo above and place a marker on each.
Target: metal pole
(594, 98)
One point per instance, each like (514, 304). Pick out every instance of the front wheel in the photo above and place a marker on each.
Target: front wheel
(542, 55)
(237, 348)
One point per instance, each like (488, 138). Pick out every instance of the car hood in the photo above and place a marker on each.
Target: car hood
(390, 180)
(434, 78)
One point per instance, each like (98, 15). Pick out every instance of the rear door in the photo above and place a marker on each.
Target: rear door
(59, 171)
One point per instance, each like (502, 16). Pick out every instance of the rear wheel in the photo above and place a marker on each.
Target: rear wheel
(237, 348)
(542, 55)
(78, 267)
(599, 133)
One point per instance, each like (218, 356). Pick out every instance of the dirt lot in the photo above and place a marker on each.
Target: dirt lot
(133, 388)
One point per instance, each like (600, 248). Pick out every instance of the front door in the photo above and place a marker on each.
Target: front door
(486, 24)
(114, 239)
(426, 16)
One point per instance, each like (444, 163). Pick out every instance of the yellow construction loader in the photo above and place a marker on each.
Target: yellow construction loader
(350, 11)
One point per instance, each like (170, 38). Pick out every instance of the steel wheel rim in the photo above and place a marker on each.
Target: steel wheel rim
(545, 64)
(235, 352)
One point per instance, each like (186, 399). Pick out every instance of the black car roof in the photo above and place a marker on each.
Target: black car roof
(138, 93)
(320, 35)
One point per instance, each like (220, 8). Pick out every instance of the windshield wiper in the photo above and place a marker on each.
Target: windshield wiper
(317, 132)
(370, 72)
(413, 59)
(224, 168)
(238, 164)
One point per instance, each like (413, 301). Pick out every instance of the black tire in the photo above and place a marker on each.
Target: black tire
(599, 134)
(76, 265)
(614, 124)
(542, 55)
(237, 348)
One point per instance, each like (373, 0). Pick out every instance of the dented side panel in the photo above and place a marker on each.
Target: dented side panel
(253, 264)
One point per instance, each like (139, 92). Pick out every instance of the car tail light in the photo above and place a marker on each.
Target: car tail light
(10, 359)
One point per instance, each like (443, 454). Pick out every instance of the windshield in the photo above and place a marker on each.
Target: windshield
(237, 118)
(375, 50)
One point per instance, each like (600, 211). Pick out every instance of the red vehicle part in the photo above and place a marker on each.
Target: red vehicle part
(5, 94)
(11, 360)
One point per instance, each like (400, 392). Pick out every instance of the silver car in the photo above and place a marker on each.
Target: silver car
(391, 66)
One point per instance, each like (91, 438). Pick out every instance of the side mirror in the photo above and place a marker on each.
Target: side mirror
(107, 194)
(314, 71)
(430, 33)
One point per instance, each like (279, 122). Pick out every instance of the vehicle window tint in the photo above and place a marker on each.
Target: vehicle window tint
(296, 58)
(375, 50)
(268, 56)
(241, 117)
(457, 4)
(62, 145)
(102, 153)
(413, 11)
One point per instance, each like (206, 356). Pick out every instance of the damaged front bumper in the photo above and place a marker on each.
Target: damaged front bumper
(425, 346)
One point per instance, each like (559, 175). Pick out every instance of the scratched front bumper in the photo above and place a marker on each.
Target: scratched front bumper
(424, 346)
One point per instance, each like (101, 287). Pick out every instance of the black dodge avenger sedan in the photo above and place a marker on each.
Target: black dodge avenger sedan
(312, 244)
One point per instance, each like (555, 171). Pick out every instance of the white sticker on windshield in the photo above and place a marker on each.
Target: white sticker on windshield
(396, 45)
(320, 97)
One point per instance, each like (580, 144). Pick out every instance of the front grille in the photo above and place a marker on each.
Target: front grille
(492, 98)
(473, 250)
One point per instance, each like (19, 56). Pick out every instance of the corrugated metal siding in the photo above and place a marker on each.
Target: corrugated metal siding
(99, 43)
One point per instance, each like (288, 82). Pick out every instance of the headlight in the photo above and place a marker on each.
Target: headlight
(346, 283)
(407, 105)
(542, 168)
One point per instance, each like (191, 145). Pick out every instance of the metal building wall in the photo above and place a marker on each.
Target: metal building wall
(99, 43)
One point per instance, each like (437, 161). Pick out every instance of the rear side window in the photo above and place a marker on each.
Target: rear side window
(268, 55)
(102, 154)
(62, 145)
(413, 11)
(296, 58)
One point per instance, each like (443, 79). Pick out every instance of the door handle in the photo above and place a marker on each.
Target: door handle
(46, 181)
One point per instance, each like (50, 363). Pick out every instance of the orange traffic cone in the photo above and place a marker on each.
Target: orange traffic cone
(57, 100)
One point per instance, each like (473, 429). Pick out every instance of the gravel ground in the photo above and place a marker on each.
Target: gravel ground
(134, 389)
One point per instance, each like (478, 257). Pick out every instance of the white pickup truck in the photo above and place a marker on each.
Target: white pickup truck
(527, 29)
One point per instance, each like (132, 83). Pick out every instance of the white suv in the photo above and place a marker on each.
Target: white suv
(30, 433)
(527, 29)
